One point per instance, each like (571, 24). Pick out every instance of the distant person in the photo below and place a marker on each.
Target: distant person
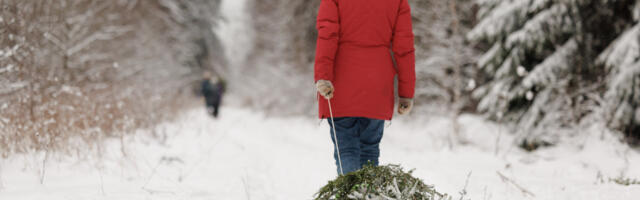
(212, 88)
(354, 72)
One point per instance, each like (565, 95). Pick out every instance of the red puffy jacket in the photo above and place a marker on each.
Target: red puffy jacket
(353, 52)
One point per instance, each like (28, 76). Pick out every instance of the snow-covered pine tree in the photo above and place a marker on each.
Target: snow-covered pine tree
(542, 67)
(622, 66)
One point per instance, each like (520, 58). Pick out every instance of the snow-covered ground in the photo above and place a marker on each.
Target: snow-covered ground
(247, 155)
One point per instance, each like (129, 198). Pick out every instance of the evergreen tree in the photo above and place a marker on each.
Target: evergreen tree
(556, 63)
(621, 61)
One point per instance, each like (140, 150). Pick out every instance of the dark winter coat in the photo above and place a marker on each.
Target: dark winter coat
(353, 52)
(212, 93)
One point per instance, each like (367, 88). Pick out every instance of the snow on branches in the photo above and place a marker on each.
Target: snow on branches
(542, 65)
(622, 66)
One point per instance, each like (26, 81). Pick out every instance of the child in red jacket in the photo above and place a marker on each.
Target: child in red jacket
(354, 72)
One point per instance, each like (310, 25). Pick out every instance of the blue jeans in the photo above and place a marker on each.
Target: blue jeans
(358, 141)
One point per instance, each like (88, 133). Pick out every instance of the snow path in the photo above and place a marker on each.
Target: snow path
(246, 155)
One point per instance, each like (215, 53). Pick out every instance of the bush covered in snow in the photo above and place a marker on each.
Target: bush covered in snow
(383, 182)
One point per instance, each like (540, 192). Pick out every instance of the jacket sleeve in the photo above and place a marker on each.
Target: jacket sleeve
(328, 26)
(404, 52)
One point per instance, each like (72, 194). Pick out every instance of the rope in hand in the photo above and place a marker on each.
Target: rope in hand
(335, 136)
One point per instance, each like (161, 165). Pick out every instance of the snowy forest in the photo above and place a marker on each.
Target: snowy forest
(514, 99)
(75, 70)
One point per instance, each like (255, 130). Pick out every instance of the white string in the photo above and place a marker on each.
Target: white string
(335, 136)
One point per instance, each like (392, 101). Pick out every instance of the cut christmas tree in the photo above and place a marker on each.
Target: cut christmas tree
(383, 182)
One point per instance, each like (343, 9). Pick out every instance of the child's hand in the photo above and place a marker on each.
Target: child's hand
(405, 105)
(325, 88)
